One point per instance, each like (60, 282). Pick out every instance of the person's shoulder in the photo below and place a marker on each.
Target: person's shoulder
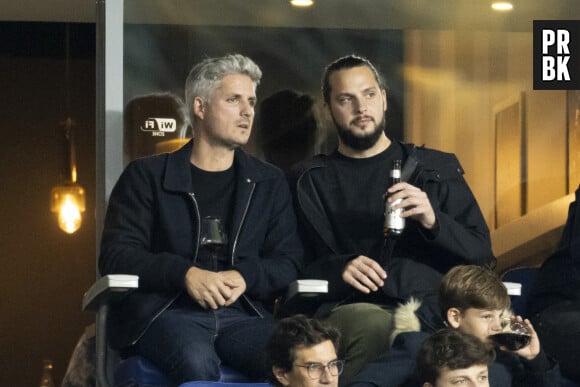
(411, 340)
(316, 161)
(140, 172)
(256, 167)
(152, 162)
(434, 158)
(432, 154)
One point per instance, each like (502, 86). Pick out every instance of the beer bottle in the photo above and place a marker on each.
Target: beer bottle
(394, 223)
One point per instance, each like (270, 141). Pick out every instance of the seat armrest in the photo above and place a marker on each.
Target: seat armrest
(107, 288)
(306, 288)
(513, 288)
(96, 299)
(302, 296)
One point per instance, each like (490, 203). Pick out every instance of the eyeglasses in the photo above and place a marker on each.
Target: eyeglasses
(315, 370)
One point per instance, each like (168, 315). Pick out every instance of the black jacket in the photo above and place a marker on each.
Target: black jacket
(397, 367)
(419, 259)
(558, 279)
(152, 230)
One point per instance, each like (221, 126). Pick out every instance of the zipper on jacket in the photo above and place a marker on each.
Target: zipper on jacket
(161, 310)
(196, 206)
(235, 243)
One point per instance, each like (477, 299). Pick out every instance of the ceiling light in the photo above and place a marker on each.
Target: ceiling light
(502, 6)
(302, 3)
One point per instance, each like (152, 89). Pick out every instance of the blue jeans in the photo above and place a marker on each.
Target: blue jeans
(190, 344)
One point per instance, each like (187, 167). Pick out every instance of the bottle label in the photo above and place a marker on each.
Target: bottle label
(395, 173)
(394, 219)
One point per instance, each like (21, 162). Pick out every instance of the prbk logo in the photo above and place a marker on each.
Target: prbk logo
(556, 54)
(159, 126)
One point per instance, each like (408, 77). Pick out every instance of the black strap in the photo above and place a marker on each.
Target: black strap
(387, 253)
(412, 167)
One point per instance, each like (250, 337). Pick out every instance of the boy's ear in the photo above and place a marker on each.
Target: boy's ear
(427, 384)
(280, 374)
(454, 317)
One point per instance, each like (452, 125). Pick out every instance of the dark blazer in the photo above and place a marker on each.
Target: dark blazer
(152, 230)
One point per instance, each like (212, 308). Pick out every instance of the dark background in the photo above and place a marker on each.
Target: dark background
(44, 271)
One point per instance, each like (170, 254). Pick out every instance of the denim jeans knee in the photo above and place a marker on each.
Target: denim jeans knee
(181, 343)
(191, 344)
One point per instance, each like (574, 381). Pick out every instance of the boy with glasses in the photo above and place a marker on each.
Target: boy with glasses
(302, 353)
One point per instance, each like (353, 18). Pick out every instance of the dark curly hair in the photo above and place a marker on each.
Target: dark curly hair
(294, 333)
(451, 349)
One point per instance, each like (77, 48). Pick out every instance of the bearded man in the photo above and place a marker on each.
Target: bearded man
(340, 201)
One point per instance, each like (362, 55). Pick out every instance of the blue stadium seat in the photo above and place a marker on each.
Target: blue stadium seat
(136, 371)
(525, 276)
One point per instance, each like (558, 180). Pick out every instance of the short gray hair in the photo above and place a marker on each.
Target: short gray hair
(205, 76)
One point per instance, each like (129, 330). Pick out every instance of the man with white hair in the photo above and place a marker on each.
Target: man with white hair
(200, 305)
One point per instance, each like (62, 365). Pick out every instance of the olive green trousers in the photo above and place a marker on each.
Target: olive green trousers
(365, 330)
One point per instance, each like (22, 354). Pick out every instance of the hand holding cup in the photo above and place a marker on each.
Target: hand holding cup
(514, 335)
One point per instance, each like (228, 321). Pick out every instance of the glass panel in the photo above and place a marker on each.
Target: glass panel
(449, 65)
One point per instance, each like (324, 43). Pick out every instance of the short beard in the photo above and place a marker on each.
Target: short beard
(360, 143)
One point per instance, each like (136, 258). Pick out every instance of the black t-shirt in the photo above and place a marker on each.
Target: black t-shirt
(214, 193)
(355, 204)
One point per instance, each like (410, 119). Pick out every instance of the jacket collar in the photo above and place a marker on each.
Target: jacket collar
(177, 174)
(320, 160)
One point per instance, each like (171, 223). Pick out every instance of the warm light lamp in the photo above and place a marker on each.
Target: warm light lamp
(68, 203)
(68, 199)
